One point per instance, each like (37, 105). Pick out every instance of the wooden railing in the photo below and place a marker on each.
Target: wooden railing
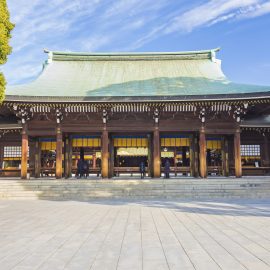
(127, 170)
(13, 172)
(10, 172)
(252, 170)
(217, 170)
(176, 170)
(96, 171)
(47, 171)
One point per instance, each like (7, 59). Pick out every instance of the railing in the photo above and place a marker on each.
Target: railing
(47, 171)
(252, 170)
(176, 170)
(13, 172)
(96, 171)
(217, 170)
(10, 172)
(127, 170)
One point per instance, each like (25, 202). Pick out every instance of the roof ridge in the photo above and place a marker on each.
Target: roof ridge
(67, 53)
(133, 53)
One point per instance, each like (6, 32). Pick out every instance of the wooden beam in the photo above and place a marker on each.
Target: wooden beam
(105, 153)
(156, 153)
(24, 152)
(202, 145)
(59, 152)
(237, 154)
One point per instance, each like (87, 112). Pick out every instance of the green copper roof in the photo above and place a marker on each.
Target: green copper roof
(131, 74)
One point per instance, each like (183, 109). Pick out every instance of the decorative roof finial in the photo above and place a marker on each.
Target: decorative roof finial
(213, 55)
(50, 56)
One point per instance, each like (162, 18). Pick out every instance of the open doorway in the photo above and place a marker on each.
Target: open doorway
(130, 152)
(47, 156)
(88, 150)
(175, 149)
(214, 156)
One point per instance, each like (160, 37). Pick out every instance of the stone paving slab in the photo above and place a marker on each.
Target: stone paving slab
(114, 234)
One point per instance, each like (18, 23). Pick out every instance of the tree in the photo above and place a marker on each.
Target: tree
(5, 34)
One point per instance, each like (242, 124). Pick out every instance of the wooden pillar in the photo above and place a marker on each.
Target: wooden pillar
(1, 155)
(111, 158)
(31, 158)
(191, 156)
(175, 160)
(225, 157)
(37, 165)
(94, 161)
(68, 157)
(24, 152)
(194, 157)
(149, 156)
(59, 146)
(156, 153)
(230, 153)
(266, 150)
(237, 154)
(202, 145)
(105, 153)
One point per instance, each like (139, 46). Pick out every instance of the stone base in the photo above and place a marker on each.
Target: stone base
(83, 190)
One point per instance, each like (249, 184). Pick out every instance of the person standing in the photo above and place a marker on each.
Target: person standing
(142, 169)
(80, 168)
(85, 168)
(167, 169)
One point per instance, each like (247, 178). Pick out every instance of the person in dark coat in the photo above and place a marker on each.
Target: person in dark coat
(85, 168)
(80, 168)
(167, 169)
(142, 169)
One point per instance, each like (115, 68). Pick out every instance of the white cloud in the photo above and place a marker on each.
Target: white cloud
(95, 42)
(72, 25)
(122, 6)
(133, 7)
(146, 38)
(207, 13)
(54, 18)
(135, 24)
(93, 25)
(22, 69)
(258, 10)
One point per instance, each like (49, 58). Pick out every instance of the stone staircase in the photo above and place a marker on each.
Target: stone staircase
(185, 188)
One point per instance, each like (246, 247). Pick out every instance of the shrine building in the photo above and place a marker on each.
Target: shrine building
(117, 110)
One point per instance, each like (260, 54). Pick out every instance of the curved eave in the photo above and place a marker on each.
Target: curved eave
(5, 126)
(112, 99)
(258, 125)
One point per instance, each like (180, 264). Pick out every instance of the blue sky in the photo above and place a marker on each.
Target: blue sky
(240, 27)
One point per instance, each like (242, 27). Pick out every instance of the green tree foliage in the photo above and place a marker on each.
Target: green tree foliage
(5, 28)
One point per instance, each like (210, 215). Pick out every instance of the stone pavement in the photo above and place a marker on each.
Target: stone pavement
(134, 235)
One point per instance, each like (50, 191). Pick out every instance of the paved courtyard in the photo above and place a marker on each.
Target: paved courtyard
(135, 235)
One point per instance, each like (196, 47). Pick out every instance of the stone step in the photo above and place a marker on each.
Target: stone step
(139, 187)
(143, 189)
